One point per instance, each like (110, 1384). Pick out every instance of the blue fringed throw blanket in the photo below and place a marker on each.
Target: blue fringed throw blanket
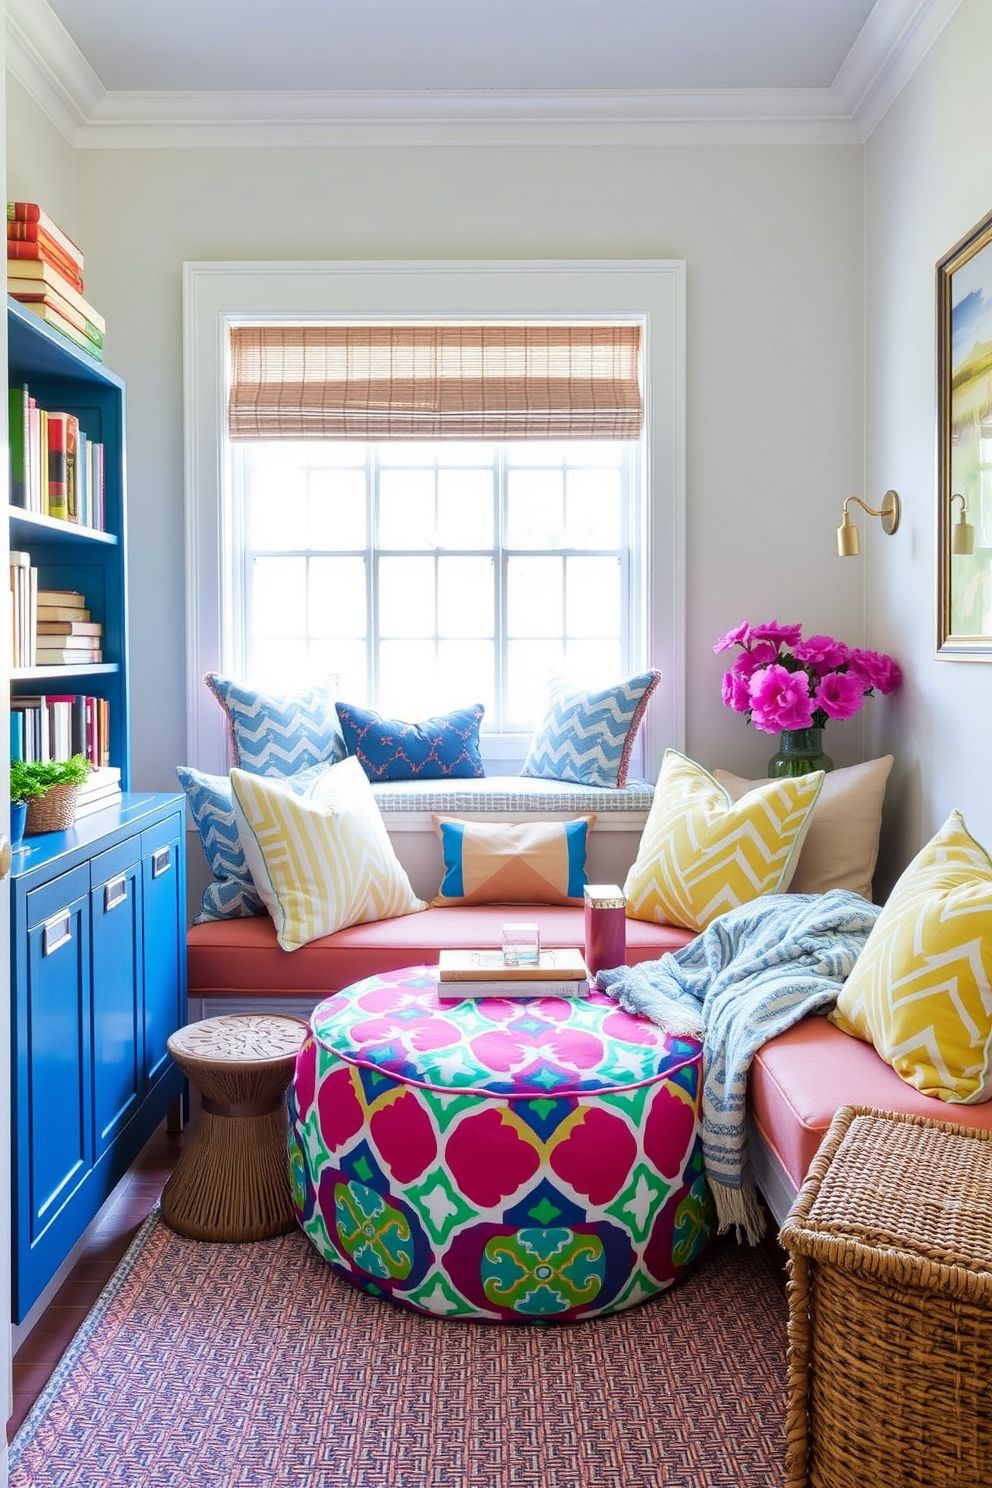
(750, 975)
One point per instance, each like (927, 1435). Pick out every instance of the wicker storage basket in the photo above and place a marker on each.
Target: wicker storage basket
(55, 811)
(890, 1307)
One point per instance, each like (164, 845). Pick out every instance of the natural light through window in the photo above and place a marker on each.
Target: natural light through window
(421, 576)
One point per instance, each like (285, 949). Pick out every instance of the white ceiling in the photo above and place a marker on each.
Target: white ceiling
(118, 73)
(372, 45)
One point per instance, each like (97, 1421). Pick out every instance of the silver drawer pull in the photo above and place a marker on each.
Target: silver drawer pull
(115, 892)
(161, 861)
(56, 932)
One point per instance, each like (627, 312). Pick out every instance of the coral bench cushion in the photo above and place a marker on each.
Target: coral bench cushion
(242, 959)
(498, 1159)
(801, 1078)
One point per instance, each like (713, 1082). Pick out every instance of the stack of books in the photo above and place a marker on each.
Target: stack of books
(101, 788)
(557, 973)
(45, 273)
(66, 636)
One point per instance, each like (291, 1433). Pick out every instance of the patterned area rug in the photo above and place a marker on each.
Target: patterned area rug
(255, 1366)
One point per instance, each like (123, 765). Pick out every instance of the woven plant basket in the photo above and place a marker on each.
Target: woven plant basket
(55, 811)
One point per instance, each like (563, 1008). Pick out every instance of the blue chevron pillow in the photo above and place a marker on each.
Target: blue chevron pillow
(278, 733)
(586, 735)
(231, 895)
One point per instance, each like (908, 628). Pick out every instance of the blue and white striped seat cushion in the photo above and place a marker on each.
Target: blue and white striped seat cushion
(278, 733)
(232, 894)
(510, 795)
(587, 734)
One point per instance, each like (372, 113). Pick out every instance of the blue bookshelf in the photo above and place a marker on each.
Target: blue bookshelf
(66, 555)
(97, 912)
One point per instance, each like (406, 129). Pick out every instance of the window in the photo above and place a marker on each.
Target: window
(555, 552)
(427, 575)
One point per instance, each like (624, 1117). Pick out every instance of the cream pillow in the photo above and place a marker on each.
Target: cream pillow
(841, 846)
(920, 990)
(323, 860)
(702, 853)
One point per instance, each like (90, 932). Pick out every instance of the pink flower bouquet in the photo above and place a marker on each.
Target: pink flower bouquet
(781, 682)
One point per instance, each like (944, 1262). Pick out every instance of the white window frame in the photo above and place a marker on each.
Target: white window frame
(651, 292)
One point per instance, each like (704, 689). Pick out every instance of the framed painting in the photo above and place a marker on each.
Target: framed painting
(964, 448)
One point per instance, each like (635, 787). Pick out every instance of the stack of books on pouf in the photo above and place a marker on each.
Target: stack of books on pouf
(45, 273)
(556, 973)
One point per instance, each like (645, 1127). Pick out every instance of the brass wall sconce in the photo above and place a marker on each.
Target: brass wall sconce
(848, 540)
(962, 532)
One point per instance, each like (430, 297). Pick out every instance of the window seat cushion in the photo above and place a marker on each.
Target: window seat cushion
(512, 794)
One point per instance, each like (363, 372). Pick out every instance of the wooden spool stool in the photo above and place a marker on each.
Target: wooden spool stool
(232, 1180)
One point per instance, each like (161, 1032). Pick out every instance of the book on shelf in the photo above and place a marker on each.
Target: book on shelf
(66, 599)
(55, 656)
(42, 280)
(59, 323)
(23, 608)
(41, 271)
(553, 965)
(17, 438)
(27, 220)
(44, 250)
(50, 613)
(69, 627)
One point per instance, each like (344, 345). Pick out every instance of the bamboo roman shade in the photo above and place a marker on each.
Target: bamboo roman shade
(435, 382)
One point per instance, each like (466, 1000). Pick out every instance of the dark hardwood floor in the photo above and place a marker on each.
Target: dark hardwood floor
(44, 1346)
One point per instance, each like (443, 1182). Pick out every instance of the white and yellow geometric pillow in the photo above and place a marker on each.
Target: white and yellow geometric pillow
(702, 854)
(323, 860)
(921, 990)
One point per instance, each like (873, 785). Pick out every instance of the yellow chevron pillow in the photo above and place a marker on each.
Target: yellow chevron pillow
(323, 860)
(921, 990)
(701, 853)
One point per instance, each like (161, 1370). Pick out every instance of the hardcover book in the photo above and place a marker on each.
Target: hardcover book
(556, 965)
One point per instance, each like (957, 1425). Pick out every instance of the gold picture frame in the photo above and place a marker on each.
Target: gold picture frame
(964, 448)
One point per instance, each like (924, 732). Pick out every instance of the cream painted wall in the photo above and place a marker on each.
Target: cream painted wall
(773, 241)
(41, 164)
(929, 180)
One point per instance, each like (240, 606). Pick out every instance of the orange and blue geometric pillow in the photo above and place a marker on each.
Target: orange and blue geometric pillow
(501, 1160)
(587, 735)
(512, 862)
(444, 747)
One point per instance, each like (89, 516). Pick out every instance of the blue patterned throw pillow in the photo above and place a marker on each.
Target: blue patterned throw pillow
(231, 895)
(445, 747)
(586, 735)
(278, 733)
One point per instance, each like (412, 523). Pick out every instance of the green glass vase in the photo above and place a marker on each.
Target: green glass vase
(799, 752)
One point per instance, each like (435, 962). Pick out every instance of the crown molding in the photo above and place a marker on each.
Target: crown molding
(893, 42)
(46, 61)
(48, 64)
(447, 117)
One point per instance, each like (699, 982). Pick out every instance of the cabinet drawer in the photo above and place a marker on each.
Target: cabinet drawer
(115, 861)
(53, 898)
(159, 844)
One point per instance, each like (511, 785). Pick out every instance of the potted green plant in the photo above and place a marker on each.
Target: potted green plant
(47, 790)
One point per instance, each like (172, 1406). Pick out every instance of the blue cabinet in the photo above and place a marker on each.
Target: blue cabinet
(98, 984)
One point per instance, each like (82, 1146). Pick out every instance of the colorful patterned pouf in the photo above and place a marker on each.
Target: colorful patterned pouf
(512, 1161)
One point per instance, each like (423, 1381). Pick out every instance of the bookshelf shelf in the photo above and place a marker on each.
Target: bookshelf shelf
(32, 527)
